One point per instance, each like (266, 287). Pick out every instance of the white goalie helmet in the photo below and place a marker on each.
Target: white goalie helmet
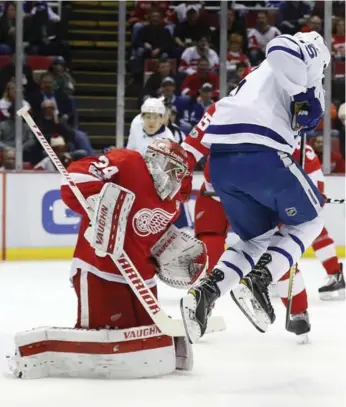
(167, 162)
(317, 40)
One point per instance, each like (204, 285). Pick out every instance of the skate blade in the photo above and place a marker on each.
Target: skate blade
(188, 307)
(338, 295)
(303, 339)
(250, 307)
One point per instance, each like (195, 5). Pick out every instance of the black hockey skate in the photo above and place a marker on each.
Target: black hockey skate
(252, 295)
(299, 324)
(197, 305)
(334, 289)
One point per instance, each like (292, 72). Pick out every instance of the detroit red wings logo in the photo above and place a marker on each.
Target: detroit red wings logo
(151, 221)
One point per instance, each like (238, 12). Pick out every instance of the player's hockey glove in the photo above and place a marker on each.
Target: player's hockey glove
(306, 111)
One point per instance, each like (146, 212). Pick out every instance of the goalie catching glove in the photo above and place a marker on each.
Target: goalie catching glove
(180, 258)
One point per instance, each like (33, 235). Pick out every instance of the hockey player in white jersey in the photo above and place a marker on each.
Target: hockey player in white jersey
(251, 137)
(148, 126)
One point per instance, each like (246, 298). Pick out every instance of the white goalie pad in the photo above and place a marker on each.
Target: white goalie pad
(110, 219)
(102, 354)
(181, 258)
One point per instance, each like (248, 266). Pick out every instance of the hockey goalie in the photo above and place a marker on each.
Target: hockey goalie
(136, 199)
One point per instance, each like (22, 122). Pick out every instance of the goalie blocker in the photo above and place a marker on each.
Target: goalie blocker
(100, 354)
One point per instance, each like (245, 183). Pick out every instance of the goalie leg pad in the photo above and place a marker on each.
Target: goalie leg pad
(107, 304)
(104, 354)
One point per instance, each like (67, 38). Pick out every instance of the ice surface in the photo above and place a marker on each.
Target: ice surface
(236, 368)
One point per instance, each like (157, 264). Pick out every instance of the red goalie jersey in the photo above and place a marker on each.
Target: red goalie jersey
(149, 218)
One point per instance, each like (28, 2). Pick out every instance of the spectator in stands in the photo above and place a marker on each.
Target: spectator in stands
(292, 16)
(167, 91)
(190, 116)
(140, 15)
(8, 135)
(51, 124)
(8, 159)
(45, 33)
(338, 40)
(337, 161)
(62, 101)
(8, 73)
(191, 56)
(153, 40)
(8, 98)
(190, 31)
(8, 29)
(181, 9)
(314, 23)
(36, 6)
(259, 36)
(62, 78)
(153, 84)
(59, 146)
(171, 123)
(205, 98)
(193, 83)
(235, 26)
(235, 55)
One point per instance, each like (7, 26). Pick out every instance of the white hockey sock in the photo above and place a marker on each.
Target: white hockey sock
(237, 261)
(287, 245)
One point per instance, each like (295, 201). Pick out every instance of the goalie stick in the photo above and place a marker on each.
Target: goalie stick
(167, 325)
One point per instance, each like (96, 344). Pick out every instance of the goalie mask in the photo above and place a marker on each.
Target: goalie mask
(167, 164)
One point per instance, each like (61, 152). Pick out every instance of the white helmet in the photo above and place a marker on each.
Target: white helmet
(317, 40)
(153, 105)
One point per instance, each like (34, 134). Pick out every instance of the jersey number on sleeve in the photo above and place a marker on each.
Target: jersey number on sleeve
(311, 50)
(204, 122)
(102, 169)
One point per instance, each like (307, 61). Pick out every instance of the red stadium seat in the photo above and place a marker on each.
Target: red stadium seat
(4, 60)
(39, 63)
(339, 69)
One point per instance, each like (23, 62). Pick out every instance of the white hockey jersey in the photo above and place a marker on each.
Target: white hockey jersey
(139, 140)
(258, 111)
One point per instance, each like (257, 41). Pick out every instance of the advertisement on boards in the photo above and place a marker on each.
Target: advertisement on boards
(40, 226)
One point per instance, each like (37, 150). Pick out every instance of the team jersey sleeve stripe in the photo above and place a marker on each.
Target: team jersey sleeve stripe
(284, 49)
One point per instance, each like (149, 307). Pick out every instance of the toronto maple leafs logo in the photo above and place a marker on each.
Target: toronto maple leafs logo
(151, 221)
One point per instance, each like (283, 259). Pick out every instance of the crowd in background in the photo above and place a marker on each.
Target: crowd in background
(175, 48)
(174, 54)
(48, 93)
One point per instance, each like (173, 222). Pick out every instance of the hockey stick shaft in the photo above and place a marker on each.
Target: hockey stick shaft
(294, 268)
(328, 200)
(166, 325)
